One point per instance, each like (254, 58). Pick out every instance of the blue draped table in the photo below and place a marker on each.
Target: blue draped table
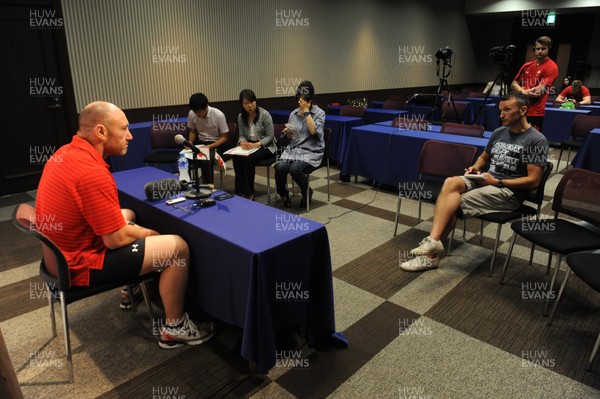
(252, 266)
(371, 115)
(588, 156)
(390, 155)
(558, 121)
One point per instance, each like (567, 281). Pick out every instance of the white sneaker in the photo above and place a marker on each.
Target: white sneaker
(427, 246)
(420, 264)
(188, 334)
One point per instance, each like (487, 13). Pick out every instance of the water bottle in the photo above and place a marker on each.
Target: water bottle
(183, 166)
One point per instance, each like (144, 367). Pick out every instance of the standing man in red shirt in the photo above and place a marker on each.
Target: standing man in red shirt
(535, 78)
(77, 207)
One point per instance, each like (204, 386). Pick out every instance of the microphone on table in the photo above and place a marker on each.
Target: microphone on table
(163, 189)
(179, 139)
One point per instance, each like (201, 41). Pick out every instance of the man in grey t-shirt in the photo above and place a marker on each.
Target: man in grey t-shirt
(514, 161)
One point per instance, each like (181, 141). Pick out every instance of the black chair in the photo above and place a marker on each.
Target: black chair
(585, 266)
(535, 196)
(581, 127)
(462, 129)
(162, 141)
(578, 196)
(277, 129)
(437, 160)
(393, 104)
(55, 273)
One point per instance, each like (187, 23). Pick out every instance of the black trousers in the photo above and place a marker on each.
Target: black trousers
(245, 170)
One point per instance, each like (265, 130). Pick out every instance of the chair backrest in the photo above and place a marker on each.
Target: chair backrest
(162, 134)
(578, 195)
(393, 104)
(349, 110)
(232, 137)
(458, 96)
(443, 159)
(410, 123)
(53, 262)
(462, 129)
(584, 124)
(537, 194)
(448, 111)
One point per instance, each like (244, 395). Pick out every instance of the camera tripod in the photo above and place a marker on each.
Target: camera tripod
(501, 80)
(442, 85)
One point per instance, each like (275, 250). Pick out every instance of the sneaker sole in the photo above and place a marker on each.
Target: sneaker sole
(177, 344)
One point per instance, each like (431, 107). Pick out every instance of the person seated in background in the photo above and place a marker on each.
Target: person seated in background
(306, 147)
(256, 131)
(208, 127)
(577, 93)
(100, 241)
(511, 165)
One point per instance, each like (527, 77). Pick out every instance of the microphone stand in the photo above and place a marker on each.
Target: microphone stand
(198, 192)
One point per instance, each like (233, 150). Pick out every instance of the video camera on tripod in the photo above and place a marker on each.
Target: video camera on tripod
(502, 54)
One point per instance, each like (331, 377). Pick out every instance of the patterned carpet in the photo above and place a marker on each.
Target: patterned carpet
(453, 332)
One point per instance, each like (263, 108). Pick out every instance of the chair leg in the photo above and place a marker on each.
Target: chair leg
(568, 158)
(531, 253)
(148, 303)
(549, 262)
(560, 292)
(397, 215)
(268, 185)
(551, 288)
(419, 214)
(65, 318)
(559, 157)
(307, 193)
(481, 232)
(328, 190)
(51, 299)
(508, 255)
(464, 229)
(450, 242)
(593, 355)
(129, 289)
(498, 230)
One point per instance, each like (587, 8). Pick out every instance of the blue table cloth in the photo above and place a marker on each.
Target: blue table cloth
(588, 156)
(433, 128)
(558, 121)
(390, 155)
(252, 266)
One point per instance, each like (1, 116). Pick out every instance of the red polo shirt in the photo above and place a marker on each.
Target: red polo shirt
(76, 204)
(568, 93)
(531, 75)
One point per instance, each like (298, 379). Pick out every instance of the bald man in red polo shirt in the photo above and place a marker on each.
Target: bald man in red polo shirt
(100, 241)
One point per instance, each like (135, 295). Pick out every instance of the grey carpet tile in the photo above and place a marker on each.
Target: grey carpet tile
(378, 271)
(341, 190)
(22, 297)
(328, 369)
(510, 317)
(371, 210)
(16, 247)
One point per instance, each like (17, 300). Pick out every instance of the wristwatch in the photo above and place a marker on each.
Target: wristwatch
(500, 183)
(306, 114)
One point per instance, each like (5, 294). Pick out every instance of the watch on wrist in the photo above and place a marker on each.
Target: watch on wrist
(500, 182)
(306, 113)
